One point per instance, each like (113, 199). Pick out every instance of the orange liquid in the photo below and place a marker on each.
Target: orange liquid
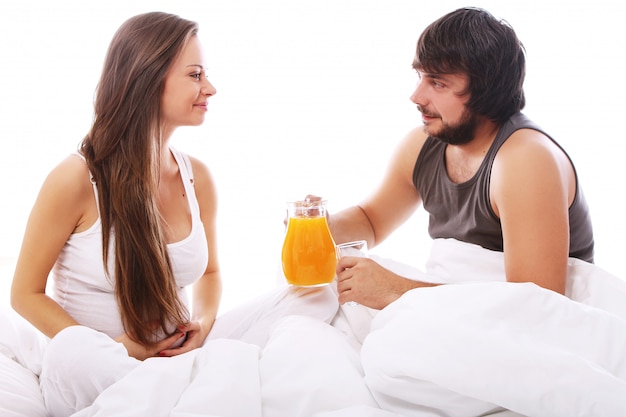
(309, 256)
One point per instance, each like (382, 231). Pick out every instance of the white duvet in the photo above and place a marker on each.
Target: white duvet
(477, 348)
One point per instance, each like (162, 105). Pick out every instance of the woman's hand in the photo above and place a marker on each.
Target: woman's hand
(141, 352)
(195, 336)
(186, 338)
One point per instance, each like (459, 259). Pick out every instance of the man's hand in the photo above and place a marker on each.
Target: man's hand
(364, 281)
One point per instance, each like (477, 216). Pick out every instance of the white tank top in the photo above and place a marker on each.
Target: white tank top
(81, 286)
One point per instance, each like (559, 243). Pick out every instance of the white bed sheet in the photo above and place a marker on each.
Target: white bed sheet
(551, 355)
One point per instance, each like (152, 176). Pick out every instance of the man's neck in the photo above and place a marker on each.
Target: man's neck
(462, 161)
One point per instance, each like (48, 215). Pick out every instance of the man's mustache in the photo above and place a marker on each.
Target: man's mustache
(425, 111)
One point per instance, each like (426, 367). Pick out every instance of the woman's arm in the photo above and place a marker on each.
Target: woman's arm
(62, 208)
(207, 291)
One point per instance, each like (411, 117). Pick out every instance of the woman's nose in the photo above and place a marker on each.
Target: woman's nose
(208, 89)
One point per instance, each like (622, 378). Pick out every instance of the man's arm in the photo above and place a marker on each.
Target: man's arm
(389, 205)
(532, 186)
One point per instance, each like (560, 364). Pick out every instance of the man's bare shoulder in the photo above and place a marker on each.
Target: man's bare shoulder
(530, 145)
(530, 160)
(411, 145)
(417, 136)
(399, 174)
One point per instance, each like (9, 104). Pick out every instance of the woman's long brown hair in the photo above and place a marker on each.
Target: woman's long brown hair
(122, 150)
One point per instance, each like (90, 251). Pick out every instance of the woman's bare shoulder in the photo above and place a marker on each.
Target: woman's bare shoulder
(201, 172)
(66, 196)
(71, 172)
(204, 184)
(69, 184)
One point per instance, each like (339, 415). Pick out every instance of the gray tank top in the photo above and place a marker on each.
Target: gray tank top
(463, 211)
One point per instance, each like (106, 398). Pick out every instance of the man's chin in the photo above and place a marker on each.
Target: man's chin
(429, 129)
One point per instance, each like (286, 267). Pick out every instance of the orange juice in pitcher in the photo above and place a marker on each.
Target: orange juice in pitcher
(309, 256)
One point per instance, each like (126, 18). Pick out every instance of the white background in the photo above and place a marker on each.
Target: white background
(312, 98)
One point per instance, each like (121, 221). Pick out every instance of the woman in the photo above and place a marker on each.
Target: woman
(126, 223)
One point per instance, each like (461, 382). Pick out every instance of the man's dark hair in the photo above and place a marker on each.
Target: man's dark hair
(473, 42)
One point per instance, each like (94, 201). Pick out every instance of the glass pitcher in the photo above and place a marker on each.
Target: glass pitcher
(309, 256)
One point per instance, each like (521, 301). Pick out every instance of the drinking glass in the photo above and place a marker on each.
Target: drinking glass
(356, 248)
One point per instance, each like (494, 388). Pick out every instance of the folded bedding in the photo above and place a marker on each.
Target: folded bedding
(21, 350)
(481, 347)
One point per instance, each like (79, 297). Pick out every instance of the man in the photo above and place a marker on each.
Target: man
(485, 173)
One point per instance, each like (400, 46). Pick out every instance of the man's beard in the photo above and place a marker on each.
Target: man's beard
(460, 133)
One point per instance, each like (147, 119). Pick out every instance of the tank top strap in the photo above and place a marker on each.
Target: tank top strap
(516, 122)
(186, 174)
(92, 180)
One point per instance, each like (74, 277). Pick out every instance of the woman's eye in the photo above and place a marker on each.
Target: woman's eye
(197, 75)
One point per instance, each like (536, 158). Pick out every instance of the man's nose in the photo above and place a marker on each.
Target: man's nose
(417, 97)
